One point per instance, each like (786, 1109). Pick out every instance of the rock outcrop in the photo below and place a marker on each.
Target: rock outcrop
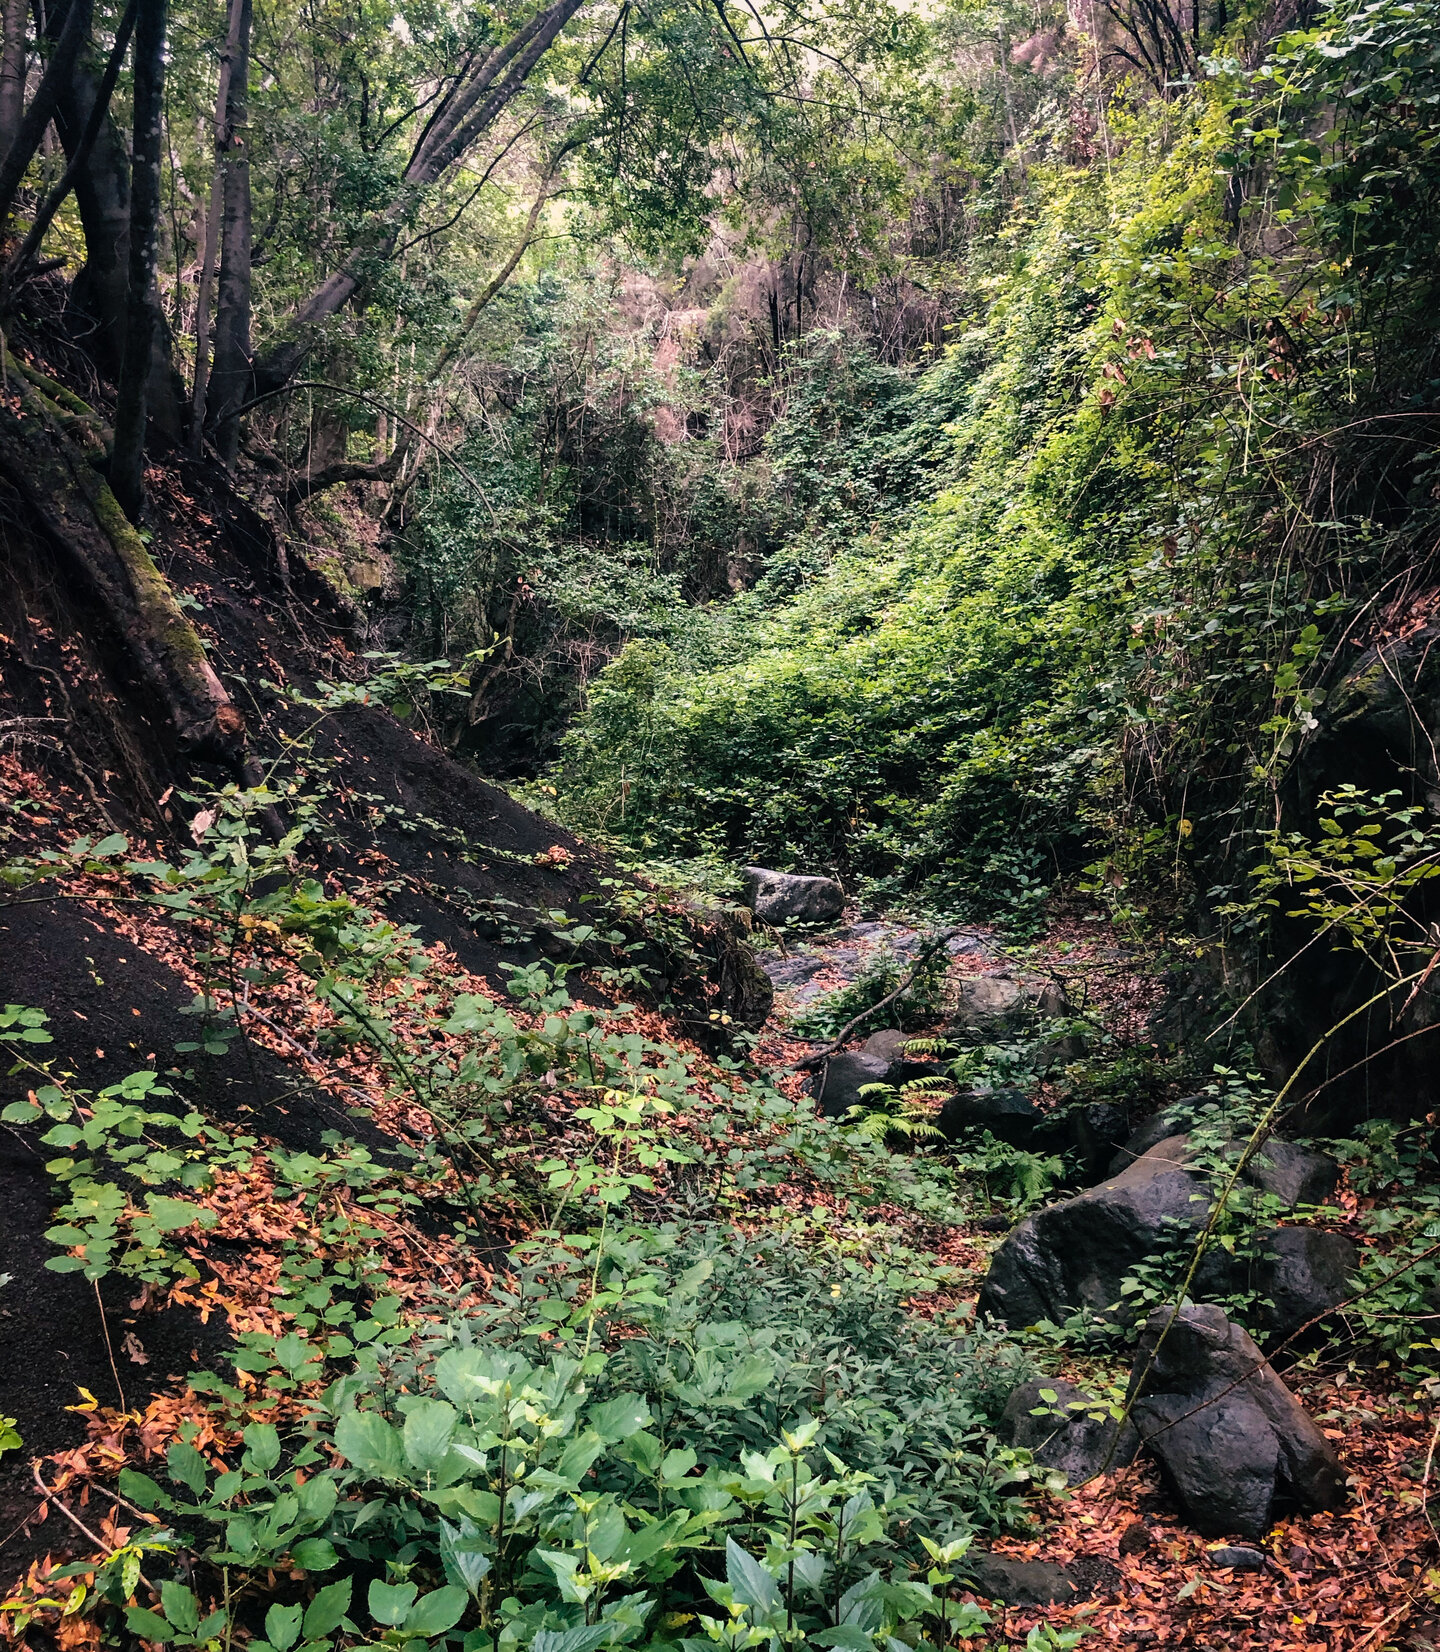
(792, 897)
(1076, 1254)
(1070, 1431)
(1235, 1444)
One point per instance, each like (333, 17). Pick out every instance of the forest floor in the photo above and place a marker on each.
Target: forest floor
(99, 1375)
(102, 1385)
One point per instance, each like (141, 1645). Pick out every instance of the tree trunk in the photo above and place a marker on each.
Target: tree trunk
(231, 378)
(127, 465)
(47, 453)
(74, 34)
(14, 20)
(238, 20)
(77, 162)
(481, 94)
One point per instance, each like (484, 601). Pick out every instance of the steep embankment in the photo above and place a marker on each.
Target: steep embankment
(386, 819)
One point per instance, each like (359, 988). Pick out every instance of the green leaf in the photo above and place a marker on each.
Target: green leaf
(262, 1447)
(619, 1418)
(584, 1637)
(323, 1615)
(314, 1554)
(149, 1626)
(180, 1606)
(375, 1448)
(187, 1467)
(429, 1425)
(751, 1583)
(282, 1626)
(390, 1602)
(436, 1612)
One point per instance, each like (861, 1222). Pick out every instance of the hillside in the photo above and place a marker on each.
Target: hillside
(718, 744)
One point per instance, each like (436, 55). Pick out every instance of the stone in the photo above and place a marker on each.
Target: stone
(1018, 1582)
(1071, 1434)
(1095, 1132)
(1143, 1138)
(1295, 1175)
(889, 1045)
(1234, 1443)
(1009, 1116)
(1076, 1253)
(836, 1087)
(792, 897)
(989, 1003)
(1238, 1557)
(1305, 1272)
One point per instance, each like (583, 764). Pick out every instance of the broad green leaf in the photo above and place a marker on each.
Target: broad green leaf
(428, 1428)
(180, 1606)
(391, 1602)
(375, 1448)
(323, 1614)
(749, 1580)
(282, 1626)
(436, 1612)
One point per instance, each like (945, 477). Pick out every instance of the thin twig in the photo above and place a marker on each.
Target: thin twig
(926, 953)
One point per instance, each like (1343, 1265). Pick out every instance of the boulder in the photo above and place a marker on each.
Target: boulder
(1239, 1557)
(989, 1003)
(1009, 1116)
(889, 1045)
(836, 1087)
(1303, 1272)
(1145, 1135)
(792, 897)
(1295, 1175)
(1013, 1582)
(1095, 1133)
(1070, 1432)
(1234, 1443)
(1075, 1254)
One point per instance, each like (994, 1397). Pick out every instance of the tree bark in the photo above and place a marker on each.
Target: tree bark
(74, 34)
(210, 251)
(14, 20)
(78, 161)
(481, 94)
(69, 503)
(231, 377)
(127, 465)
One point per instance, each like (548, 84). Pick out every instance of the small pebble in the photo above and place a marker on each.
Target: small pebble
(1237, 1557)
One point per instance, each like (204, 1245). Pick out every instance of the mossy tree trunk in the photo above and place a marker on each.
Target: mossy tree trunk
(49, 451)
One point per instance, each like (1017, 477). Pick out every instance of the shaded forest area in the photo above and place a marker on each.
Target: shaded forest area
(719, 776)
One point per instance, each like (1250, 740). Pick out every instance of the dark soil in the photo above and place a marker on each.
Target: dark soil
(436, 846)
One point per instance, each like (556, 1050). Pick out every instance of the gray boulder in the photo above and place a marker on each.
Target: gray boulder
(1302, 1273)
(1295, 1175)
(1095, 1133)
(1139, 1142)
(904, 1067)
(1009, 1116)
(1018, 1582)
(792, 897)
(1075, 1254)
(1233, 1441)
(989, 1003)
(837, 1086)
(1070, 1432)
